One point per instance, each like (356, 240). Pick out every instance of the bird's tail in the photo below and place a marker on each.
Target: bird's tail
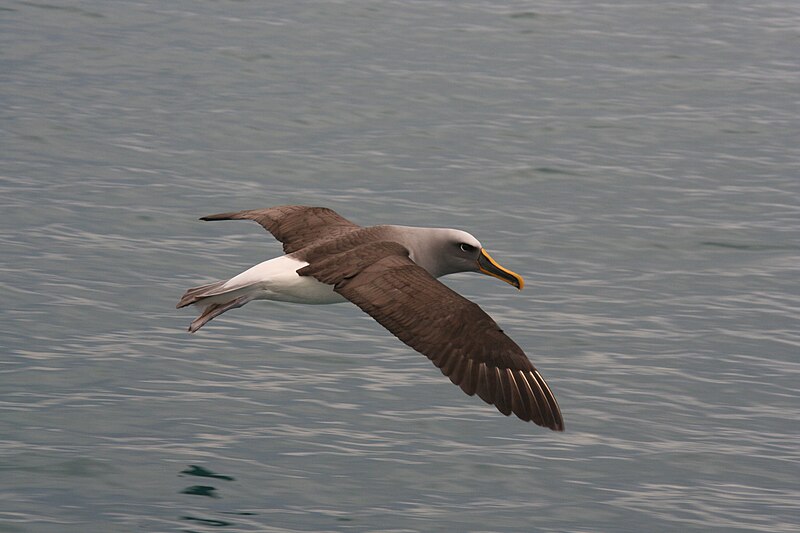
(195, 294)
(214, 299)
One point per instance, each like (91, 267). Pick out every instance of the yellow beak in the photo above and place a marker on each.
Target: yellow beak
(489, 266)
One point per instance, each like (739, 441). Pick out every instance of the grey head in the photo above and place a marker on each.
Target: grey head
(443, 251)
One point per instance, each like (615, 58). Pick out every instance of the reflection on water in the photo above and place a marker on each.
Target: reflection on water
(201, 490)
(635, 163)
(199, 471)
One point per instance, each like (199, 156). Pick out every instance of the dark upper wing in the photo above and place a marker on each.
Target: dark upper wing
(454, 333)
(296, 226)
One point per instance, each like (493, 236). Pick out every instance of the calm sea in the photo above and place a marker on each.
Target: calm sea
(637, 162)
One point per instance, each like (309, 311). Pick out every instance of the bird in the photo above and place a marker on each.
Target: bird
(391, 272)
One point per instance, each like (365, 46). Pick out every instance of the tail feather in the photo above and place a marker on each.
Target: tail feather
(196, 294)
(215, 300)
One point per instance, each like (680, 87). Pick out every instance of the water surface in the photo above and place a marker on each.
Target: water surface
(636, 162)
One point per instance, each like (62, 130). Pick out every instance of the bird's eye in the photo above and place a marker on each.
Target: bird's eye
(466, 247)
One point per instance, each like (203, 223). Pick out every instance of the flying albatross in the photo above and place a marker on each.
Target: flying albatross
(390, 273)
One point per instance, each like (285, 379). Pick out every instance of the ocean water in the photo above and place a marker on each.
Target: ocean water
(637, 162)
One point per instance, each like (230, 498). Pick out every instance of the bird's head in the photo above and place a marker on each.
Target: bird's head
(454, 251)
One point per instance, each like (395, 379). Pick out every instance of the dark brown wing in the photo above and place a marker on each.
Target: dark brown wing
(296, 226)
(454, 333)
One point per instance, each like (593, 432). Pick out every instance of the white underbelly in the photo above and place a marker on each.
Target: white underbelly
(277, 279)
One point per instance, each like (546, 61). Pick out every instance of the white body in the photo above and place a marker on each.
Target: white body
(276, 279)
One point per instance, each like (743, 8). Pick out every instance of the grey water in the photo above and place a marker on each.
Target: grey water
(637, 162)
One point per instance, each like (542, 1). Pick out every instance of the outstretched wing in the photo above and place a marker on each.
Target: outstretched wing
(454, 333)
(296, 226)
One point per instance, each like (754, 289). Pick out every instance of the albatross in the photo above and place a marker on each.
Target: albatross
(391, 273)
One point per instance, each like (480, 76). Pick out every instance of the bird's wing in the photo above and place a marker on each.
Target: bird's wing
(454, 333)
(296, 226)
